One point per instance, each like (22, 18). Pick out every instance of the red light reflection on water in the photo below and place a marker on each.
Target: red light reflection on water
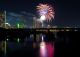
(46, 50)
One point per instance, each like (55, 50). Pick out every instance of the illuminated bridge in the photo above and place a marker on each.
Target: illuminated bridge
(22, 33)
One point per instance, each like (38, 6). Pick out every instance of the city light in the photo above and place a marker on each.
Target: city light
(7, 39)
(18, 25)
(18, 40)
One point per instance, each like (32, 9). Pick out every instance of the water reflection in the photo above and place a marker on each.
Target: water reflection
(29, 49)
(46, 49)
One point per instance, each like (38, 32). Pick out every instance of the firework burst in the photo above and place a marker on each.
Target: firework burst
(46, 10)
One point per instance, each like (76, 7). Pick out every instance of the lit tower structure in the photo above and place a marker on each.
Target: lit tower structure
(36, 23)
(3, 22)
(46, 12)
(2, 18)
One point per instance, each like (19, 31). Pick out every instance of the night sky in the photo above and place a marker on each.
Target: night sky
(67, 12)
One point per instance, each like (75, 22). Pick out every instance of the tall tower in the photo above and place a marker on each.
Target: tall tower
(2, 18)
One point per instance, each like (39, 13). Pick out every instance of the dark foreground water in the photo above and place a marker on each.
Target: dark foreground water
(29, 49)
(65, 45)
(41, 49)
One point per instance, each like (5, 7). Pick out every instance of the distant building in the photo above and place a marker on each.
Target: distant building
(54, 27)
(37, 23)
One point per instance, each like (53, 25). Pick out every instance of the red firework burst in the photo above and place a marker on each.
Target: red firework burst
(47, 10)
